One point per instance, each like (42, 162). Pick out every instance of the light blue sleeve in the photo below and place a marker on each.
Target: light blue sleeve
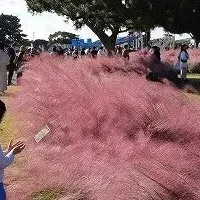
(6, 160)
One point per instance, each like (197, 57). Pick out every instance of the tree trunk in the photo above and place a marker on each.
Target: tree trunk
(108, 41)
(109, 44)
(148, 38)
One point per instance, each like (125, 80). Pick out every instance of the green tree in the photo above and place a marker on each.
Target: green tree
(175, 16)
(182, 17)
(106, 18)
(61, 38)
(10, 29)
(40, 43)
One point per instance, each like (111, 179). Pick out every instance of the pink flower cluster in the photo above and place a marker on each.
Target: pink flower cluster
(113, 135)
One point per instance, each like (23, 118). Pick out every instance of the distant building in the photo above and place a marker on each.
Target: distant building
(80, 43)
(135, 40)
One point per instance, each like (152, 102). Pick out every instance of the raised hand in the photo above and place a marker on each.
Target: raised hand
(19, 148)
(11, 146)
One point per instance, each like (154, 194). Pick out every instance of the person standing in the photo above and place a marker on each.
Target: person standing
(183, 59)
(11, 66)
(54, 52)
(7, 157)
(20, 57)
(118, 51)
(101, 52)
(75, 54)
(94, 52)
(156, 56)
(4, 61)
(125, 53)
(83, 52)
(61, 51)
(88, 52)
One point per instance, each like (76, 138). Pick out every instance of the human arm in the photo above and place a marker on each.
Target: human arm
(11, 146)
(5, 159)
(184, 57)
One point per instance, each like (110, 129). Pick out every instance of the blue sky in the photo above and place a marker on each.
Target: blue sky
(41, 25)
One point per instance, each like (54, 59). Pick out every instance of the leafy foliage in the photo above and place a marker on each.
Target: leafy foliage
(100, 16)
(62, 38)
(40, 42)
(181, 17)
(10, 29)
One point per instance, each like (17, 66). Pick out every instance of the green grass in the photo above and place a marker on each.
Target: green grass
(48, 195)
(194, 76)
(7, 131)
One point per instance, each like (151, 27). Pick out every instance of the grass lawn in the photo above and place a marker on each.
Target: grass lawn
(194, 80)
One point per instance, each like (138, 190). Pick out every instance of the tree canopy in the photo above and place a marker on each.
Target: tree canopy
(107, 18)
(40, 43)
(182, 17)
(100, 16)
(10, 29)
(62, 38)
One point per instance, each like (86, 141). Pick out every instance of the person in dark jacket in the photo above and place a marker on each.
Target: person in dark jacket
(11, 67)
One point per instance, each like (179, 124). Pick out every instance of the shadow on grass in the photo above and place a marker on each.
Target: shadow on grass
(195, 83)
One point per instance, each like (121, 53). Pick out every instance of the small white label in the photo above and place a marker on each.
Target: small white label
(44, 132)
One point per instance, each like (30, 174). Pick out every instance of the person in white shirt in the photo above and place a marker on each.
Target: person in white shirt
(7, 157)
(4, 61)
(183, 61)
(101, 52)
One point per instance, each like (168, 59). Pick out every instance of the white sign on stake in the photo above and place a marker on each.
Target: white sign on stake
(43, 132)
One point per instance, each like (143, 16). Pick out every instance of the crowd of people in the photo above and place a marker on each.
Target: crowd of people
(93, 52)
(76, 53)
(11, 59)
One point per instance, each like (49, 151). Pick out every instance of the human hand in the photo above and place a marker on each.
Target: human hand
(11, 146)
(19, 148)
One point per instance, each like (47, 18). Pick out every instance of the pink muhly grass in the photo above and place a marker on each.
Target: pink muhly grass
(114, 136)
(171, 56)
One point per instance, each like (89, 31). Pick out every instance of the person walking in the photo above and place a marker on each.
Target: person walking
(11, 67)
(4, 61)
(7, 157)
